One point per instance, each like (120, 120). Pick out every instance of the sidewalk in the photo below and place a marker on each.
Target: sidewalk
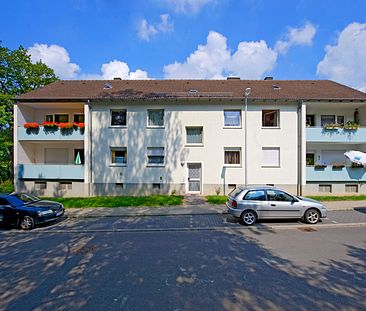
(183, 210)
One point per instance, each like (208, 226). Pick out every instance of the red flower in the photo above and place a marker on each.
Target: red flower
(65, 126)
(49, 124)
(31, 125)
(81, 125)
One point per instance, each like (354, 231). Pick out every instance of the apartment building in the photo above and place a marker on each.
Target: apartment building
(119, 137)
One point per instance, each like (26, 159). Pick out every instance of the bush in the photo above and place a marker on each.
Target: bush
(6, 186)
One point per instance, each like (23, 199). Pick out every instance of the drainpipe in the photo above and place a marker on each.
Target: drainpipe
(299, 148)
(90, 150)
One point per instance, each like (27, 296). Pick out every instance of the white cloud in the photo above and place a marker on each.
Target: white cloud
(252, 60)
(214, 61)
(344, 62)
(147, 31)
(55, 57)
(189, 6)
(296, 36)
(118, 69)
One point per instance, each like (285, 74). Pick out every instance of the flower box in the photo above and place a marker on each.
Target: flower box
(31, 125)
(320, 166)
(50, 125)
(338, 165)
(351, 126)
(66, 126)
(331, 126)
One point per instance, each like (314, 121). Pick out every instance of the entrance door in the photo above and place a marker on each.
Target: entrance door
(194, 177)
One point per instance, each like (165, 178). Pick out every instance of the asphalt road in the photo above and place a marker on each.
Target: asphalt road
(176, 268)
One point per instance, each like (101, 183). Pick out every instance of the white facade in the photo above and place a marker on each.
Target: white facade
(136, 157)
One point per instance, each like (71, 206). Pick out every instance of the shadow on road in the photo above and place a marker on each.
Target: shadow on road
(220, 270)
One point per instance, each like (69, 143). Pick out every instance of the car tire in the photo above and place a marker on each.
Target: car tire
(26, 223)
(248, 217)
(312, 216)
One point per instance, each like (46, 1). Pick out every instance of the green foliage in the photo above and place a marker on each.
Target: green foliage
(216, 199)
(155, 200)
(6, 186)
(339, 198)
(18, 75)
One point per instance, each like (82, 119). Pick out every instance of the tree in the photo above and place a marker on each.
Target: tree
(18, 75)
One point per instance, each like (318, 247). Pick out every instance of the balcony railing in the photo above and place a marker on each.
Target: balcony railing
(49, 134)
(50, 171)
(340, 135)
(330, 173)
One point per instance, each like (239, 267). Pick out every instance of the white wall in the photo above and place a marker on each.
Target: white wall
(137, 137)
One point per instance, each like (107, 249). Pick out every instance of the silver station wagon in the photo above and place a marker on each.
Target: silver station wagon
(253, 203)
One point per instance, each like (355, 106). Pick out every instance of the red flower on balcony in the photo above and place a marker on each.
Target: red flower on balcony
(50, 124)
(66, 126)
(81, 126)
(31, 125)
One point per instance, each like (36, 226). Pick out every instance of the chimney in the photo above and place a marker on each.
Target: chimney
(117, 78)
(268, 78)
(233, 78)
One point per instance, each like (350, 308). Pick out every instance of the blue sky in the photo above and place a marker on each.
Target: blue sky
(205, 39)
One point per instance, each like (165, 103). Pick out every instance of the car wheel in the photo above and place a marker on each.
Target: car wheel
(26, 223)
(249, 217)
(312, 216)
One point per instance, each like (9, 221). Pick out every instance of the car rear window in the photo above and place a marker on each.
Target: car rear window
(255, 195)
(235, 192)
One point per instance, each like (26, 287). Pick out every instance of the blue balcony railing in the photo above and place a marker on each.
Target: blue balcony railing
(330, 173)
(319, 134)
(46, 134)
(50, 171)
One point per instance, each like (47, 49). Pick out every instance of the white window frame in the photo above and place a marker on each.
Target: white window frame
(233, 126)
(118, 149)
(194, 144)
(278, 119)
(110, 117)
(233, 149)
(149, 154)
(148, 119)
(271, 165)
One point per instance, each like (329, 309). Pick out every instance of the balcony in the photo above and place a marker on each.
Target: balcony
(51, 171)
(339, 135)
(331, 174)
(42, 134)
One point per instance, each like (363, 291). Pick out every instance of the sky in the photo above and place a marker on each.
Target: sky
(192, 39)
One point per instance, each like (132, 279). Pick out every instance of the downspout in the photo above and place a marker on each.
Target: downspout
(90, 150)
(299, 148)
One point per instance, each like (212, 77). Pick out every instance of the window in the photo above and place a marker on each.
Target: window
(340, 120)
(325, 188)
(49, 118)
(275, 195)
(65, 185)
(155, 117)
(255, 195)
(155, 156)
(310, 159)
(310, 120)
(352, 188)
(61, 118)
(270, 118)
(119, 117)
(232, 156)
(194, 135)
(270, 157)
(232, 118)
(331, 119)
(40, 185)
(119, 185)
(119, 155)
(79, 118)
(156, 186)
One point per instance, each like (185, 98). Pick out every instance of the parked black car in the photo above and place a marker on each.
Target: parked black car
(25, 210)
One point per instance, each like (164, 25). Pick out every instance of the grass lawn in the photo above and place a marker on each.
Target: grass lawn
(216, 199)
(221, 199)
(123, 201)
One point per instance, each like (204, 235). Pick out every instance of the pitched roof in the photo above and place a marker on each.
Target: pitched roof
(232, 88)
